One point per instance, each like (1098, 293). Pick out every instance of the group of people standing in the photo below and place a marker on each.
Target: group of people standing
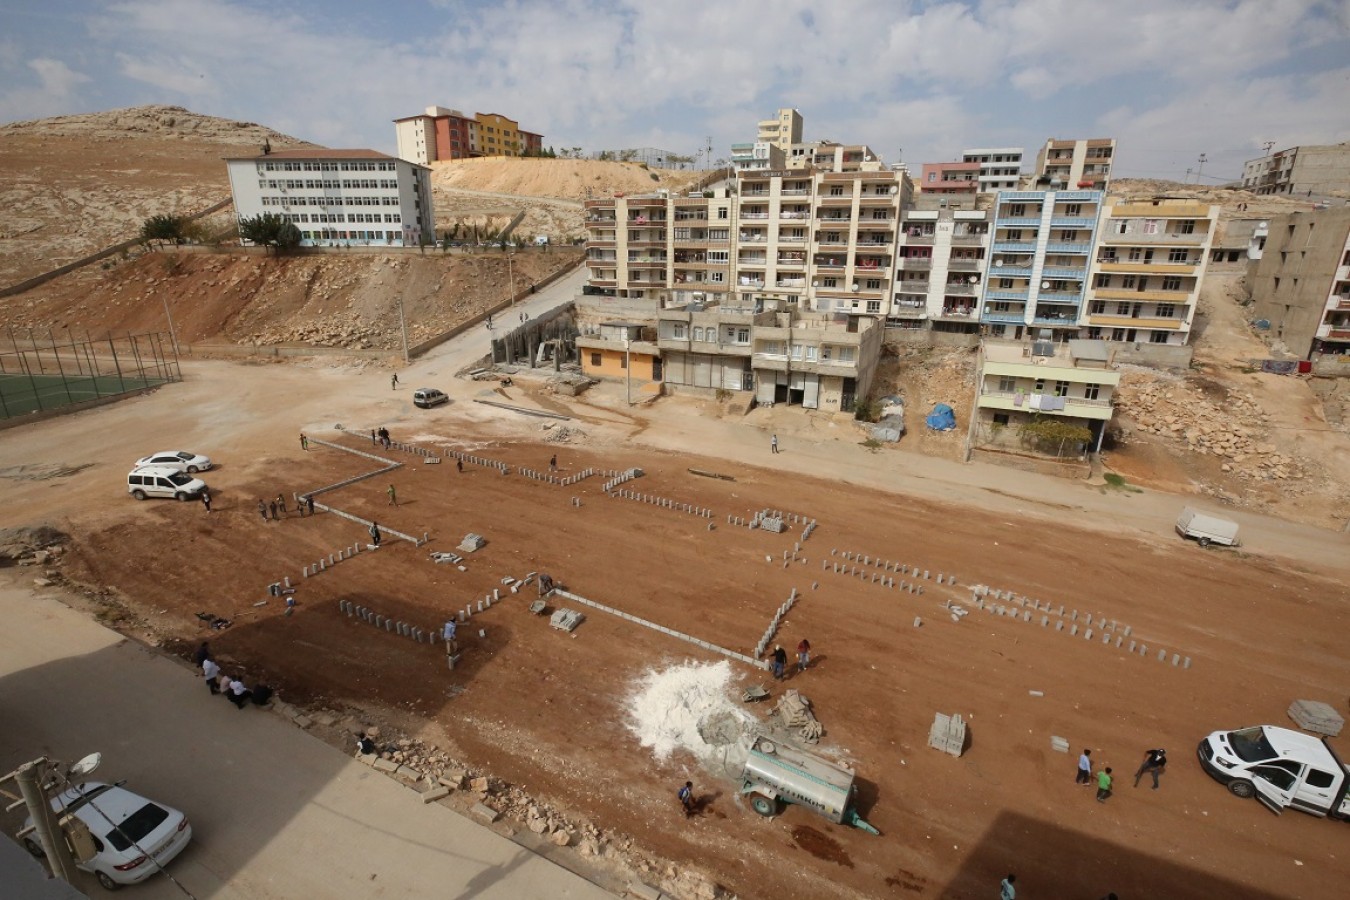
(1155, 762)
(273, 510)
(231, 686)
(778, 659)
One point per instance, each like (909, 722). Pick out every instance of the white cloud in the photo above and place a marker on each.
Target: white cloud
(56, 91)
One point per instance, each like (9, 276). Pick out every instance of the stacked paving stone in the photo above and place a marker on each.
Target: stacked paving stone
(948, 734)
(874, 570)
(774, 623)
(550, 478)
(663, 502)
(1317, 717)
(478, 460)
(621, 478)
(1108, 631)
(333, 559)
(386, 623)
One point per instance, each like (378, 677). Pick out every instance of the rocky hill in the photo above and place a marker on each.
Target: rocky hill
(562, 179)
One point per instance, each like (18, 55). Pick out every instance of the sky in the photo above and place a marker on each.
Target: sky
(917, 80)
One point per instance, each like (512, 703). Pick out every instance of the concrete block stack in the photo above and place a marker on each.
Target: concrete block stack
(1317, 717)
(948, 734)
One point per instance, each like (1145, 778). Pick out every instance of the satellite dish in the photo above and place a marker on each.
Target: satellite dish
(86, 765)
(1045, 285)
(998, 262)
(973, 279)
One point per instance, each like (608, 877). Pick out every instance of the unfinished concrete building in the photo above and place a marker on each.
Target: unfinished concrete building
(1301, 286)
(1307, 170)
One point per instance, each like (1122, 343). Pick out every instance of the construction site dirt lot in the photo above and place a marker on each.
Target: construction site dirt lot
(547, 710)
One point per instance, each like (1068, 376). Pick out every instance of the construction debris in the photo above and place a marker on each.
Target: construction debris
(795, 711)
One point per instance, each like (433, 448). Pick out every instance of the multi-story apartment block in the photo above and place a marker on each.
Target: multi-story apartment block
(783, 130)
(1075, 164)
(802, 156)
(781, 355)
(441, 134)
(941, 259)
(759, 155)
(852, 259)
(1150, 259)
(950, 178)
(1018, 381)
(832, 157)
(337, 197)
(1039, 262)
(1000, 168)
(1300, 170)
(1301, 285)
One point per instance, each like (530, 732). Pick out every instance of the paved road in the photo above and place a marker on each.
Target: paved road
(276, 813)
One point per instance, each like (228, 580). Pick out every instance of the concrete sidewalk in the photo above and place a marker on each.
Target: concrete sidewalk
(275, 813)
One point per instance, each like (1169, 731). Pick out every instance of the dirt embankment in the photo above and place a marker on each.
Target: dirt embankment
(326, 300)
(562, 179)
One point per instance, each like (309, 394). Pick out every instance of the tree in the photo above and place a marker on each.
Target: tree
(270, 230)
(1042, 433)
(165, 229)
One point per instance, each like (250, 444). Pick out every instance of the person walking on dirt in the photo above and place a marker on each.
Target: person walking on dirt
(686, 796)
(1084, 776)
(304, 442)
(309, 504)
(375, 533)
(1104, 784)
(773, 443)
(374, 440)
(393, 382)
(779, 659)
(459, 465)
(206, 500)
(212, 673)
(1006, 891)
(281, 502)
(393, 497)
(262, 510)
(1154, 763)
(272, 508)
(803, 655)
(448, 635)
(553, 463)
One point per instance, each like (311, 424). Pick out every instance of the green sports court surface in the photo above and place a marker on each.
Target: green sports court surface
(24, 394)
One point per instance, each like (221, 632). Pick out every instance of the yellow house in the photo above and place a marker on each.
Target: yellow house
(498, 135)
(617, 351)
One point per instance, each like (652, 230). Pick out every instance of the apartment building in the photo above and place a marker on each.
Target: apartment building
(941, 260)
(817, 240)
(759, 155)
(1301, 285)
(1150, 259)
(1075, 164)
(1000, 168)
(780, 355)
(619, 350)
(337, 197)
(950, 178)
(1016, 382)
(442, 134)
(1040, 257)
(982, 171)
(1299, 170)
(783, 130)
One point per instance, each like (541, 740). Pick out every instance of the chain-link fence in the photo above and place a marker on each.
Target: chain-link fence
(40, 372)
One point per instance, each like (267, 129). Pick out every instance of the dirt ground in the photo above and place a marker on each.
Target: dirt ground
(546, 711)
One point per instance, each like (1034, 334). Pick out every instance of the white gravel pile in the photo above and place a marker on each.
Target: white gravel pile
(667, 706)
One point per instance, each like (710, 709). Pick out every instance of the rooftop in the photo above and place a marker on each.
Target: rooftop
(318, 153)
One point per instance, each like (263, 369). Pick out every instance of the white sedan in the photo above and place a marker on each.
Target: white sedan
(183, 461)
(130, 837)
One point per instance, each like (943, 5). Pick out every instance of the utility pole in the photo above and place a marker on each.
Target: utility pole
(709, 149)
(1267, 146)
(173, 335)
(403, 326)
(628, 368)
(511, 273)
(1201, 171)
(28, 777)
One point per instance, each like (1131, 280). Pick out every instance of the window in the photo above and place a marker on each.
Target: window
(812, 353)
(1068, 235)
(1136, 254)
(1102, 281)
(874, 306)
(722, 212)
(1128, 281)
(837, 190)
(1099, 306)
(830, 282)
(1319, 779)
(1000, 418)
(1005, 283)
(1073, 209)
(698, 332)
(677, 331)
(1122, 309)
(873, 284)
(1039, 387)
(1061, 389)
(1177, 255)
(1007, 384)
(1014, 234)
(797, 351)
(623, 362)
(1092, 391)
(595, 359)
(1158, 337)
(1187, 226)
(1167, 310)
(742, 335)
(1017, 210)
(717, 277)
(1171, 284)
(1108, 254)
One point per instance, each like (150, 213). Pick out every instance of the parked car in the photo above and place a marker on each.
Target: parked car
(118, 836)
(426, 398)
(163, 481)
(183, 461)
(1282, 768)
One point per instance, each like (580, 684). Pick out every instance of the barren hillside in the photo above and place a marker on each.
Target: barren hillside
(563, 179)
(325, 300)
(74, 184)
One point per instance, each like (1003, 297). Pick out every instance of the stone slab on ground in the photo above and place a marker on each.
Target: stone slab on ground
(484, 813)
(435, 794)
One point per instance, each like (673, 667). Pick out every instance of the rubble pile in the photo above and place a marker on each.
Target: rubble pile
(1234, 432)
(342, 329)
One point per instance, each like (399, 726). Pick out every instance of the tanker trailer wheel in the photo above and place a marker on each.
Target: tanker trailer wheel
(765, 806)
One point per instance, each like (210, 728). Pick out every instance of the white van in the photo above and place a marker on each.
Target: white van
(163, 481)
(1281, 768)
(1207, 529)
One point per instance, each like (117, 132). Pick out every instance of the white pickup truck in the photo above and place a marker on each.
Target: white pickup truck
(1281, 768)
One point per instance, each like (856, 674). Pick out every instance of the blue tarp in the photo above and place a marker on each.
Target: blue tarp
(941, 418)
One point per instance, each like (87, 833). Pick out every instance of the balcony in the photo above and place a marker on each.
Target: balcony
(1195, 239)
(1054, 320)
(831, 264)
(791, 262)
(901, 310)
(969, 240)
(691, 216)
(1060, 247)
(1010, 271)
(606, 242)
(913, 287)
(834, 200)
(837, 221)
(1058, 221)
(646, 262)
(914, 263)
(1134, 322)
(960, 288)
(756, 215)
(757, 262)
(795, 192)
(1130, 295)
(1004, 318)
(1337, 334)
(600, 262)
(1014, 247)
(800, 215)
(1074, 297)
(1018, 222)
(957, 313)
(917, 237)
(790, 283)
(1064, 274)
(965, 265)
(1006, 295)
(1079, 407)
